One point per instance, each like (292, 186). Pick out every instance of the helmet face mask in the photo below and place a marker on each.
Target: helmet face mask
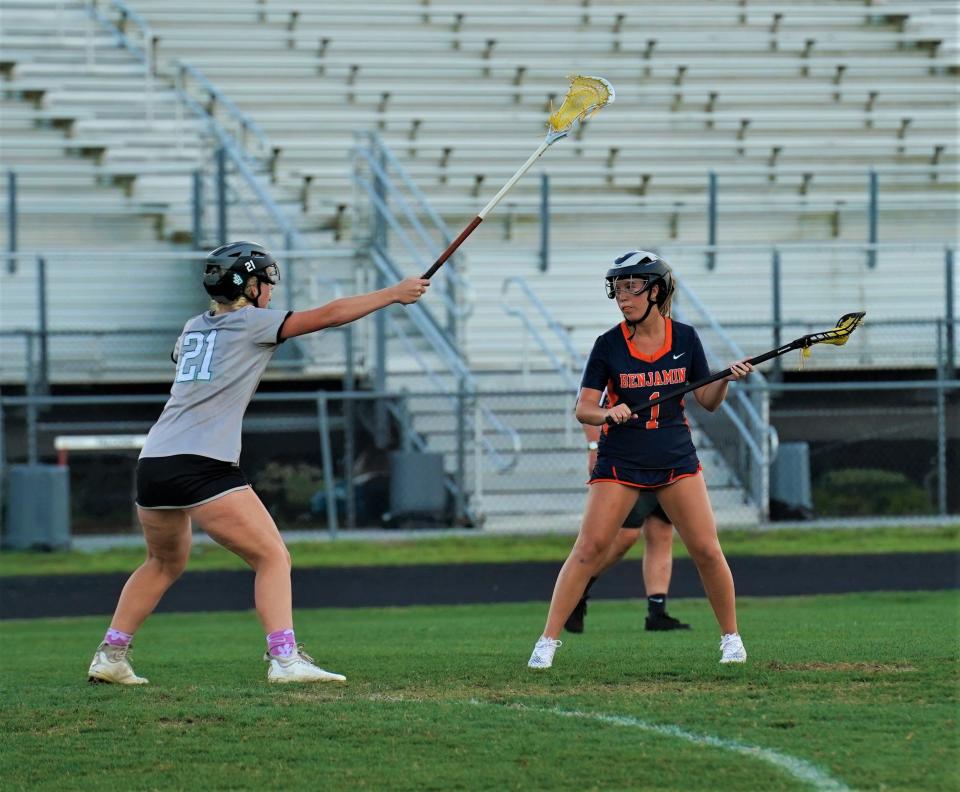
(272, 274)
(229, 268)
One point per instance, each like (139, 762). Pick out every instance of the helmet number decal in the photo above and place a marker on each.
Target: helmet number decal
(192, 347)
(250, 266)
(653, 423)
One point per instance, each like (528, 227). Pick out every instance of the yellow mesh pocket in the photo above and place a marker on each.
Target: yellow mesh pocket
(585, 97)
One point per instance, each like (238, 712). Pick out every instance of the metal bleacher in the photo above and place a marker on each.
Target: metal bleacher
(459, 91)
(789, 103)
(815, 95)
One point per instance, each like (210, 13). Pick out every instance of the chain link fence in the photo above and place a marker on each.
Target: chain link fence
(866, 449)
(354, 460)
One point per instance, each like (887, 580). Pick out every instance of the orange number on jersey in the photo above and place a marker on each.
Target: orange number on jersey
(654, 412)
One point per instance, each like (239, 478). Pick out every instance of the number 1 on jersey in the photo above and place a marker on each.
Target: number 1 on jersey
(192, 346)
(654, 412)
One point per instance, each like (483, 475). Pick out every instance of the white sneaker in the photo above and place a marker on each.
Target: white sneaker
(731, 649)
(543, 652)
(112, 664)
(299, 667)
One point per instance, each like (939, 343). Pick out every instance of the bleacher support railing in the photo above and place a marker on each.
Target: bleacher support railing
(390, 185)
(11, 220)
(245, 147)
(455, 378)
(752, 446)
(567, 367)
(399, 210)
(140, 41)
(238, 124)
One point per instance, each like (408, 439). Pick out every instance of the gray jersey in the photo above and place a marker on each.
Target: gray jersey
(220, 359)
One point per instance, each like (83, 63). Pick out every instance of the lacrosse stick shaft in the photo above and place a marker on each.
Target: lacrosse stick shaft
(452, 247)
(514, 179)
(692, 386)
(487, 209)
(845, 326)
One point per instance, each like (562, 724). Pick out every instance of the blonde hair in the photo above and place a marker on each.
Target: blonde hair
(219, 307)
(667, 303)
(665, 308)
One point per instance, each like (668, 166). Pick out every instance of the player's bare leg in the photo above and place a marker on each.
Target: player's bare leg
(624, 540)
(657, 555)
(241, 523)
(687, 503)
(167, 533)
(657, 570)
(608, 504)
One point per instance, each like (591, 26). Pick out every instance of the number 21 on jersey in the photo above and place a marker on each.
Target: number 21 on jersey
(196, 345)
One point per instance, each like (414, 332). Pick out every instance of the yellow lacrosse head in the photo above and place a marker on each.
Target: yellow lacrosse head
(845, 326)
(837, 336)
(585, 97)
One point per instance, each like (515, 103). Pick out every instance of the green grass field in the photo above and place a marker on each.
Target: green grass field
(481, 548)
(855, 691)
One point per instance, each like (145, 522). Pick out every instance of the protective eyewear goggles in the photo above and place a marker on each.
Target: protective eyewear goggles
(631, 286)
(271, 273)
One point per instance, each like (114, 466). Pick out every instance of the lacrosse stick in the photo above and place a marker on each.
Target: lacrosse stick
(837, 336)
(585, 97)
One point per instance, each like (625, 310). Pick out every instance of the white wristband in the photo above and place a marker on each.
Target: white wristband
(593, 445)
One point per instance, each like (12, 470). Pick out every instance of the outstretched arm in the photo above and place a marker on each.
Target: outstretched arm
(349, 309)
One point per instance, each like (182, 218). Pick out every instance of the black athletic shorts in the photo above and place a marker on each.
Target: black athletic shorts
(184, 480)
(647, 505)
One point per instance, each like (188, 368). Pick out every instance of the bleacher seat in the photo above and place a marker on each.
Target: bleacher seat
(790, 102)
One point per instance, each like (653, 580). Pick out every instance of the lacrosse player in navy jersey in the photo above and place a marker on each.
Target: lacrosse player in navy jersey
(188, 468)
(640, 359)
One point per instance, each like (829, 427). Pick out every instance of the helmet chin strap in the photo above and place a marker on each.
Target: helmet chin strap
(633, 325)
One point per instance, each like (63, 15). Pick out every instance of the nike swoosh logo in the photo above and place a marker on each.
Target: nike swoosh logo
(658, 601)
(675, 357)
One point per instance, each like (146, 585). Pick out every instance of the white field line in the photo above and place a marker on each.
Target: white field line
(797, 768)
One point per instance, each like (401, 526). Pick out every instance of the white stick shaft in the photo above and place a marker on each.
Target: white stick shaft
(514, 179)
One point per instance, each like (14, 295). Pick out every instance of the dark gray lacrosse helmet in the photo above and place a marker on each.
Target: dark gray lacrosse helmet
(229, 266)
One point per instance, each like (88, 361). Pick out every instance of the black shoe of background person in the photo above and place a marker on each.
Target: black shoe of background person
(664, 621)
(574, 622)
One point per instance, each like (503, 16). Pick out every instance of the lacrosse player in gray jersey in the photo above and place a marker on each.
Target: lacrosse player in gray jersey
(188, 469)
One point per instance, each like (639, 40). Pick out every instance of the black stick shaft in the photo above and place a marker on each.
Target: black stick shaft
(692, 386)
(453, 246)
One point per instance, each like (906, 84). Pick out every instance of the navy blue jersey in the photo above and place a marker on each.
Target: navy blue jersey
(660, 437)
